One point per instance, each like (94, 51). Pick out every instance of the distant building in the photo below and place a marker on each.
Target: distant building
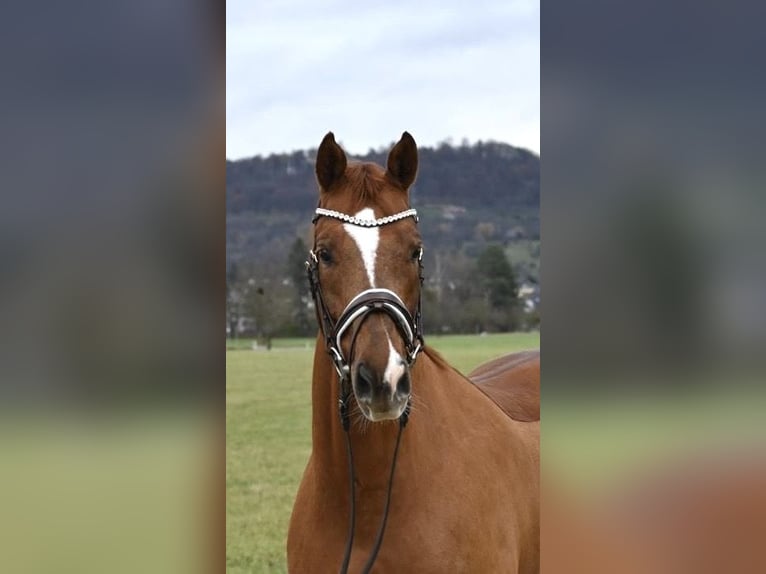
(451, 212)
(529, 294)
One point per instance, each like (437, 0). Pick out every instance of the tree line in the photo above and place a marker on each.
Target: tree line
(460, 295)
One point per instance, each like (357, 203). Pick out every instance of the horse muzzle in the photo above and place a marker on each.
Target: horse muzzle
(381, 396)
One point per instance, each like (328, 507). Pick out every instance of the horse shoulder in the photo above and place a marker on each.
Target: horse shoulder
(513, 383)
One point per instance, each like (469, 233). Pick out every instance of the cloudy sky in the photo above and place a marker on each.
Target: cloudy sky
(367, 71)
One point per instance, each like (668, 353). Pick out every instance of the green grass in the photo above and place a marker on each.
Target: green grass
(268, 421)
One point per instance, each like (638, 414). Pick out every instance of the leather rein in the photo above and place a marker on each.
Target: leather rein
(358, 310)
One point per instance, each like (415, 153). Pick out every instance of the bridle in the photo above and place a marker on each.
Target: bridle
(364, 304)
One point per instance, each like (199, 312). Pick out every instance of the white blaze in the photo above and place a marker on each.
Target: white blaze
(394, 368)
(366, 239)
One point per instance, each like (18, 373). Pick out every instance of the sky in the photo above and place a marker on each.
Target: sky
(367, 71)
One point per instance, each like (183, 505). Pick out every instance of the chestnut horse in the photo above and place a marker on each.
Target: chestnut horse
(403, 444)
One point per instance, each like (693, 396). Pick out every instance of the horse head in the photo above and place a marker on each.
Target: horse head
(365, 269)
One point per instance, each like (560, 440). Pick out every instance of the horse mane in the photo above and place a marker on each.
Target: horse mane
(437, 358)
(511, 382)
(442, 363)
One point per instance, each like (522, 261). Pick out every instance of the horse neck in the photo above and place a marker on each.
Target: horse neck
(373, 443)
(328, 442)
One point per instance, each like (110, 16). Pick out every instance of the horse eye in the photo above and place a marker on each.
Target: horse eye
(324, 256)
(417, 253)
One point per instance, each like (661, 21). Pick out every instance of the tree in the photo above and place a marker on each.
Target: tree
(296, 271)
(499, 286)
(232, 300)
(296, 267)
(266, 305)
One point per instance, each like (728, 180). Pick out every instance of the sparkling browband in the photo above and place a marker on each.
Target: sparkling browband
(365, 222)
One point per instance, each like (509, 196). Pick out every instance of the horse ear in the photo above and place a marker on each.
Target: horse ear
(331, 162)
(403, 161)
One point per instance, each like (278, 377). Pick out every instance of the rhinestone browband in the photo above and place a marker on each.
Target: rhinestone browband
(365, 222)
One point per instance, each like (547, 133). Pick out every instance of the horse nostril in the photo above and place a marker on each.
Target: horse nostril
(403, 387)
(364, 380)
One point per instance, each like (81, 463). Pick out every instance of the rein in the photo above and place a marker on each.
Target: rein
(359, 309)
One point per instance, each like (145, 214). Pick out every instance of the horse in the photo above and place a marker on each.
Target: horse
(399, 437)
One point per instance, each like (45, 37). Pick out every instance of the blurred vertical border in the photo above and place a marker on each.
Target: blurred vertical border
(112, 253)
(654, 327)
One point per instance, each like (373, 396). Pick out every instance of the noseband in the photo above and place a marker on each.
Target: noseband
(358, 309)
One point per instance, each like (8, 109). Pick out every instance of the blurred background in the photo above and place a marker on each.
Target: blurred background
(655, 288)
(112, 259)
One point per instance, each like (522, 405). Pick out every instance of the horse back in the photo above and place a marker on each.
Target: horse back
(512, 382)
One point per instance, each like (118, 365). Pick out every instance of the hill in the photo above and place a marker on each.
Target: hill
(467, 196)
(470, 200)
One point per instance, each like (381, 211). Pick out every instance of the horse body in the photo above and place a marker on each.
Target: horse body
(465, 496)
(513, 383)
(465, 488)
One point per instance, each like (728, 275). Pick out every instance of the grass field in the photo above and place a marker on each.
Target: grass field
(590, 444)
(268, 421)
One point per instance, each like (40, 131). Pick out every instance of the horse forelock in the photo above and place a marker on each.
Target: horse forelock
(365, 181)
